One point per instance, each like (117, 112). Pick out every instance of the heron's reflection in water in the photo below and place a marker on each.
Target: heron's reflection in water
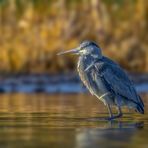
(112, 134)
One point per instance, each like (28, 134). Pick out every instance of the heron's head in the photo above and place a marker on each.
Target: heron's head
(86, 48)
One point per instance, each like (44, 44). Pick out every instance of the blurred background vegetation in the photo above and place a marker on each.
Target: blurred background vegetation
(33, 31)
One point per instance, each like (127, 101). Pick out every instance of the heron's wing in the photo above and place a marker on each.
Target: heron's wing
(118, 80)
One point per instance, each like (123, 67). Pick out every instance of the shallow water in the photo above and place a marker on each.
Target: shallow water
(43, 120)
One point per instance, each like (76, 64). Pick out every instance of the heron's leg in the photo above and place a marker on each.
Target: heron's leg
(110, 111)
(119, 112)
(111, 115)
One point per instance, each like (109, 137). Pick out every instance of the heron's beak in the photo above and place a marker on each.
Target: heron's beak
(74, 51)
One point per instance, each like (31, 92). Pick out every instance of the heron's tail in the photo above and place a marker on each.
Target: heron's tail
(140, 106)
(140, 109)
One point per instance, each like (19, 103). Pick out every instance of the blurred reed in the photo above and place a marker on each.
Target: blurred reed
(33, 31)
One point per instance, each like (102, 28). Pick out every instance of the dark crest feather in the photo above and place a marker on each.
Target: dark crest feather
(84, 44)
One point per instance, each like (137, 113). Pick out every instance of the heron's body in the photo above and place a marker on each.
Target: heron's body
(106, 80)
(93, 81)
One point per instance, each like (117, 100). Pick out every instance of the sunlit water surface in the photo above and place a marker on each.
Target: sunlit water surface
(67, 121)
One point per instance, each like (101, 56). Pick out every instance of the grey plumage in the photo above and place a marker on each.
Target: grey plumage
(105, 79)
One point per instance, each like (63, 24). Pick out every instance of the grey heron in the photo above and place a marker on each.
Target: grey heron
(105, 79)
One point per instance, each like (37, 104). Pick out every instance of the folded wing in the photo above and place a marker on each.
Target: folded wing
(118, 81)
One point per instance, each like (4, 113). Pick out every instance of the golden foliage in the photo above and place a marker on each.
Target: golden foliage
(32, 32)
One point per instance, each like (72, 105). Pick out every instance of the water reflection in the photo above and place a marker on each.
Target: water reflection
(42, 120)
(112, 134)
(105, 138)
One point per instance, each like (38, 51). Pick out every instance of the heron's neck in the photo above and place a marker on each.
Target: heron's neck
(92, 58)
(86, 61)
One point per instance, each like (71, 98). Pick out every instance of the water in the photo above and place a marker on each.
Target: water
(67, 121)
(56, 83)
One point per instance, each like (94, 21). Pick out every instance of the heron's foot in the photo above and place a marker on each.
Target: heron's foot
(100, 119)
(114, 117)
(106, 118)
